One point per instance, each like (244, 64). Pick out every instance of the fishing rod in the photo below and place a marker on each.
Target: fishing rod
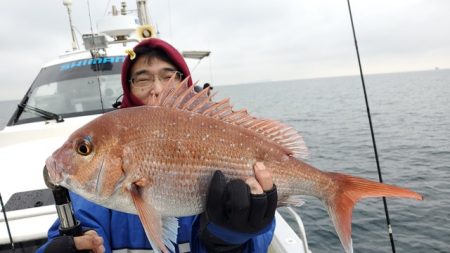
(380, 178)
(13, 248)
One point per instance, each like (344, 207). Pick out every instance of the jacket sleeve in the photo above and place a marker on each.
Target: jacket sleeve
(250, 243)
(90, 215)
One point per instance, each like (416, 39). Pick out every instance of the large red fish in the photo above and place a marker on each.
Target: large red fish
(157, 161)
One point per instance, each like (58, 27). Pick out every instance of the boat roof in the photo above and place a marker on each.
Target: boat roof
(111, 50)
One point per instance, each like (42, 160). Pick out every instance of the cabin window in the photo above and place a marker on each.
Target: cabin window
(82, 87)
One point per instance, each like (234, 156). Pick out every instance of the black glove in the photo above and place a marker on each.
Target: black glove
(231, 205)
(65, 243)
(61, 244)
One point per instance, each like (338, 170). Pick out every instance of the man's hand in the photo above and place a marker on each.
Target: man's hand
(90, 240)
(262, 182)
(246, 207)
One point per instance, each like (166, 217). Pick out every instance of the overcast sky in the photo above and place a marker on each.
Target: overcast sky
(250, 40)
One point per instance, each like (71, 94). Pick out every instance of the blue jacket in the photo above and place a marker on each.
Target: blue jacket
(124, 231)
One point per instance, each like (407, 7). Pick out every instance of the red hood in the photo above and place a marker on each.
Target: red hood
(177, 59)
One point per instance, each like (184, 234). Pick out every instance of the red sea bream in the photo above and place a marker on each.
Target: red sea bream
(157, 161)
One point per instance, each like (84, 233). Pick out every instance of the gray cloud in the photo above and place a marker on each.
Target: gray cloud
(250, 40)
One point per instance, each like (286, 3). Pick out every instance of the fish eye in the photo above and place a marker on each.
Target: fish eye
(84, 147)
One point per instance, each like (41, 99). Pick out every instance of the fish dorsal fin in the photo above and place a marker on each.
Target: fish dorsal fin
(179, 95)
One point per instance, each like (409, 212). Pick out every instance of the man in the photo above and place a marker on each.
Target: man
(226, 226)
(206, 85)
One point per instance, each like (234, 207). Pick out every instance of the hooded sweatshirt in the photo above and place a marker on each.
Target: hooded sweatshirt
(129, 100)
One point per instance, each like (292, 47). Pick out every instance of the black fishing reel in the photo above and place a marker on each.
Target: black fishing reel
(68, 224)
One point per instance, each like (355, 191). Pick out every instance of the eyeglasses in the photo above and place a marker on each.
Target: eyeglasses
(147, 79)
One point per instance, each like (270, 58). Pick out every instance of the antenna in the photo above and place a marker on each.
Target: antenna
(142, 12)
(68, 4)
(90, 18)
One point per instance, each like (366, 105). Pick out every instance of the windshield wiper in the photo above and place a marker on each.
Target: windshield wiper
(44, 113)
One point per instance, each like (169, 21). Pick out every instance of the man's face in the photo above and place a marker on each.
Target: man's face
(148, 77)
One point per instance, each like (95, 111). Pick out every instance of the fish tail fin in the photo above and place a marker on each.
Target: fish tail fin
(351, 189)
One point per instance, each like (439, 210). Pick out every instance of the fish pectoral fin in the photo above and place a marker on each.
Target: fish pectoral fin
(293, 200)
(159, 234)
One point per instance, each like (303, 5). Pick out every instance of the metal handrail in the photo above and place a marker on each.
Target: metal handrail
(301, 228)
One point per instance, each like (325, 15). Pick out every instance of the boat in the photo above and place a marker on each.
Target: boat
(68, 92)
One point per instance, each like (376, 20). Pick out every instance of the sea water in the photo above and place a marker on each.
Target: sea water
(411, 119)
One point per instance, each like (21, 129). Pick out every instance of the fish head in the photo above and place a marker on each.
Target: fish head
(89, 162)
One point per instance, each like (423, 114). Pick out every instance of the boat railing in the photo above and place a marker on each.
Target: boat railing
(286, 239)
(123, 41)
(301, 228)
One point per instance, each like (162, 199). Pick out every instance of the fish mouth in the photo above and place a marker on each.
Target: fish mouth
(52, 173)
(47, 180)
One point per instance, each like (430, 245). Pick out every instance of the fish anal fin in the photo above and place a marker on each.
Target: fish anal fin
(293, 200)
(351, 189)
(150, 218)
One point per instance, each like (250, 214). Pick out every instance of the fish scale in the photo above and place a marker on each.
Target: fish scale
(188, 151)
